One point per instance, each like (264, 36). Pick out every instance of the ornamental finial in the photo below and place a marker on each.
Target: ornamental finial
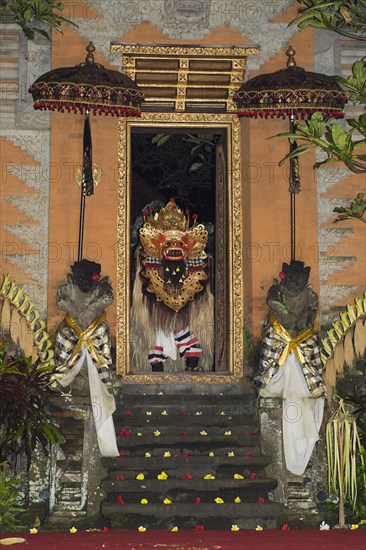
(291, 62)
(90, 49)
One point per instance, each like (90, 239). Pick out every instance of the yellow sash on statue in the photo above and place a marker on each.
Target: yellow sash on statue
(292, 344)
(84, 337)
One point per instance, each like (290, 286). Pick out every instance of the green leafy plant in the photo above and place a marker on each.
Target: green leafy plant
(356, 210)
(9, 501)
(24, 418)
(338, 144)
(343, 450)
(27, 13)
(343, 17)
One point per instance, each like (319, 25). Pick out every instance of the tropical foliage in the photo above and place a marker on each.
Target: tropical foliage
(30, 13)
(343, 450)
(343, 17)
(24, 419)
(9, 501)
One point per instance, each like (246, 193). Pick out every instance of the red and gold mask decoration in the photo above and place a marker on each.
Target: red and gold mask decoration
(174, 257)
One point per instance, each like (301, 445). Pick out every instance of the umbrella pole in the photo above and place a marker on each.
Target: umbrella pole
(81, 224)
(87, 182)
(294, 187)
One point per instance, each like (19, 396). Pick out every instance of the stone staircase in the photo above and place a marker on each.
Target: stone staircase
(179, 454)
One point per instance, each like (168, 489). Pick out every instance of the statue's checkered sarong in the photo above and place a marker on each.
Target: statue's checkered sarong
(277, 344)
(70, 339)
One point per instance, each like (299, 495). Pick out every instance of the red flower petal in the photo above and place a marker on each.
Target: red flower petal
(120, 500)
(187, 476)
(128, 413)
(250, 433)
(121, 477)
(200, 527)
(184, 413)
(285, 527)
(105, 530)
(249, 454)
(187, 454)
(261, 500)
(253, 475)
(183, 434)
(124, 433)
(197, 500)
(122, 454)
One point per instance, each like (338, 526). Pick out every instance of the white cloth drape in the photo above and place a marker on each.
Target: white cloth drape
(302, 415)
(103, 403)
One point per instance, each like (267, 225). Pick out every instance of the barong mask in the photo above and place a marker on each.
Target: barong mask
(173, 256)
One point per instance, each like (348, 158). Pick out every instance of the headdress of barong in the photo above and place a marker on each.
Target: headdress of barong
(171, 225)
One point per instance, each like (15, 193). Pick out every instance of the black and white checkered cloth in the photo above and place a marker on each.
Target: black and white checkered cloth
(278, 344)
(70, 339)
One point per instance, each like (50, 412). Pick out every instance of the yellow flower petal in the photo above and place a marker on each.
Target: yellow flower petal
(203, 432)
(144, 501)
(209, 476)
(259, 528)
(163, 475)
(148, 413)
(222, 413)
(237, 500)
(234, 527)
(167, 454)
(33, 531)
(211, 454)
(238, 476)
(142, 529)
(175, 529)
(140, 476)
(230, 453)
(219, 500)
(156, 433)
(167, 501)
(148, 455)
(354, 526)
(73, 530)
(228, 432)
(164, 413)
(139, 434)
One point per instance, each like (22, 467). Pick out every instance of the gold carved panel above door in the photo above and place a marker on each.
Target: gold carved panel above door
(186, 78)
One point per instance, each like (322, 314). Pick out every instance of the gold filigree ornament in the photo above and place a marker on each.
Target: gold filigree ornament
(169, 243)
(97, 174)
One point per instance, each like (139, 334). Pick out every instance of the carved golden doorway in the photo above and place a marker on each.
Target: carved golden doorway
(227, 365)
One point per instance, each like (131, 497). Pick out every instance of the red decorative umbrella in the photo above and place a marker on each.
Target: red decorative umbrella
(296, 94)
(87, 88)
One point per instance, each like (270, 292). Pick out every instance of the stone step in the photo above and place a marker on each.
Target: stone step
(68, 506)
(185, 400)
(194, 485)
(215, 420)
(178, 440)
(188, 516)
(60, 512)
(180, 453)
(71, 477)
(119, 465)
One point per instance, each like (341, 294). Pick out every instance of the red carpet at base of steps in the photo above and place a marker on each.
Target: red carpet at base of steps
(272, 539)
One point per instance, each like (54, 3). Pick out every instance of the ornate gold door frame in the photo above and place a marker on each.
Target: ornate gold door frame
(160, 121)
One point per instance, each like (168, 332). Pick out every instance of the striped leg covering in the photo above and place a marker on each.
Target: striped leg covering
(157, 355)
(187, 343)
